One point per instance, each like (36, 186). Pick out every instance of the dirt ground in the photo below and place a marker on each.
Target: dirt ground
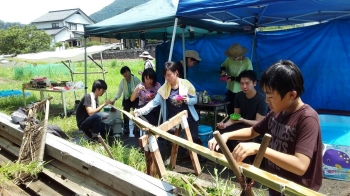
(329, 187)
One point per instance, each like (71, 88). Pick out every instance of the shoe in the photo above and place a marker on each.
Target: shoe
(131, 135)
(167, 162)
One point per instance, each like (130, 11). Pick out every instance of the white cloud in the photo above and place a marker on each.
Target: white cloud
(25, 11)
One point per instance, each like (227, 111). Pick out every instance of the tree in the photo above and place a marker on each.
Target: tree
(28, 39)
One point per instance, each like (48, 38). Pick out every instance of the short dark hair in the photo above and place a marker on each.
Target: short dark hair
(99, 84)
(151, 75)
(283, 76)
(248, 74)
(170, 66)
(124, 69)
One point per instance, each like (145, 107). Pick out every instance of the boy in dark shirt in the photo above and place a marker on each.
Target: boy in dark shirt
(295, 151)
(87, 113)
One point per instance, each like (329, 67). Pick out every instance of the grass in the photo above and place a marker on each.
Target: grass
(9, 170)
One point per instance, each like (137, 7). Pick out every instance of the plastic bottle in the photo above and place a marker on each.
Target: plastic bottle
(205, 97)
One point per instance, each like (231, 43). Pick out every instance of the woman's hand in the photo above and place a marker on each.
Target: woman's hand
(185, 98)
(213, 144)
(141, 87)
(221, 125)
(244, 149)
(137, 113)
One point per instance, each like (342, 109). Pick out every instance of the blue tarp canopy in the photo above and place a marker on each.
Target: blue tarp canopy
(155, 20)
(259, 13)
(321, 51)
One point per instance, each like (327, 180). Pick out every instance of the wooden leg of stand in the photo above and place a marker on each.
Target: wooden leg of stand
(157, 158)
(174, 150)
(232, 163)
(159, 163)
(193, 155)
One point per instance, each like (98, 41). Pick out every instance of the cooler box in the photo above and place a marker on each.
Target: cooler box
(205, 133)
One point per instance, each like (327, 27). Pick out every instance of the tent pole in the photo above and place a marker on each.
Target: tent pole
(103, 72)
(173, 40)
(183, 53)
(72, 77)
(85, 66)
(254, 55)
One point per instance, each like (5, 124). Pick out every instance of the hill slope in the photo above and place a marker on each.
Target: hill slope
(115, 8)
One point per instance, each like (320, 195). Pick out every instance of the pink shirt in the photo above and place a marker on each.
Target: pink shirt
(148, 94)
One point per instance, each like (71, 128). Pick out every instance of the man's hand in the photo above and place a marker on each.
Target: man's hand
(213, 144)
(221, 125)
(244, 149)
(108, 102)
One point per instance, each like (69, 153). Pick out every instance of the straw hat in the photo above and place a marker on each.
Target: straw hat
(192, 54)
(236, 50)
(145, 54)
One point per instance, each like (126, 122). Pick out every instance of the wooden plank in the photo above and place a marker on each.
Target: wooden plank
(8, 146)
(99, 167)
(107, 171)
(90, 186)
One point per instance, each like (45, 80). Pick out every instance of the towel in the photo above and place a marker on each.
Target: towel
(93, 100)
(127, 94)
(185, 88)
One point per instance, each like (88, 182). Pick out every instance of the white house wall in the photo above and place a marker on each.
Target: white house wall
(78, 19)
(47, 25)
(62, 36)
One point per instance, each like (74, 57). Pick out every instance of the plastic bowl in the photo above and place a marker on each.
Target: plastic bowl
(223, 78)
(178, 98)
(235, 116)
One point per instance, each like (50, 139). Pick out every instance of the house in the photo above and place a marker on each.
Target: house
(65, 26)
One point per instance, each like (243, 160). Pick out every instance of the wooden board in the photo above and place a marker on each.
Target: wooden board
(111, 173)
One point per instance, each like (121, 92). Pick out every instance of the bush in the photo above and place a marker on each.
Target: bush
(114, 63)
(58, 44)
(92, 43)
(66, 45)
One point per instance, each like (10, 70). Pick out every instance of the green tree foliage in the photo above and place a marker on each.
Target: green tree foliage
(6, 25)
(27, 39)
(115, 8)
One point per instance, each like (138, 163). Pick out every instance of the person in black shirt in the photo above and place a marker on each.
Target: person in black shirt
(87, 113)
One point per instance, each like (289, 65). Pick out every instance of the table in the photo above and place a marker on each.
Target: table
(213, 106)
(42, 90)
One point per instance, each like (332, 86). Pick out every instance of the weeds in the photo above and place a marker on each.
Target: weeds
(8, 171)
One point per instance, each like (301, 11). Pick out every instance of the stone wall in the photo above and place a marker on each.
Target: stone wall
(122, 54)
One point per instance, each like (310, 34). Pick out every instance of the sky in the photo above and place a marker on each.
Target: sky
(25, 11)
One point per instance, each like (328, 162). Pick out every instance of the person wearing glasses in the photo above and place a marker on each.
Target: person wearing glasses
(174, 96)
(88, 116)
(192, 58)
(126, 87)
(234, 64)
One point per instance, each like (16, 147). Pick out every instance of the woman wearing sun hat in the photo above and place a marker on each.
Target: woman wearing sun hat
(148, 60)
(192, 58)
(234, 64)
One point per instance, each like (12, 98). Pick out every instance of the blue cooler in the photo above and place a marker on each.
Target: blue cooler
(205, 133)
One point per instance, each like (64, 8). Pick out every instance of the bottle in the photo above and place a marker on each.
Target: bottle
(200, 97)
(205, 97)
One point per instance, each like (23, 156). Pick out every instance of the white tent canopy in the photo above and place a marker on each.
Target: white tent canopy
(74, 55)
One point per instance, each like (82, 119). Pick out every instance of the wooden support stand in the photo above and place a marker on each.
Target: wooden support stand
(153, 157)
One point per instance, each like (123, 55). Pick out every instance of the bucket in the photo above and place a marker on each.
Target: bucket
(205, 133)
